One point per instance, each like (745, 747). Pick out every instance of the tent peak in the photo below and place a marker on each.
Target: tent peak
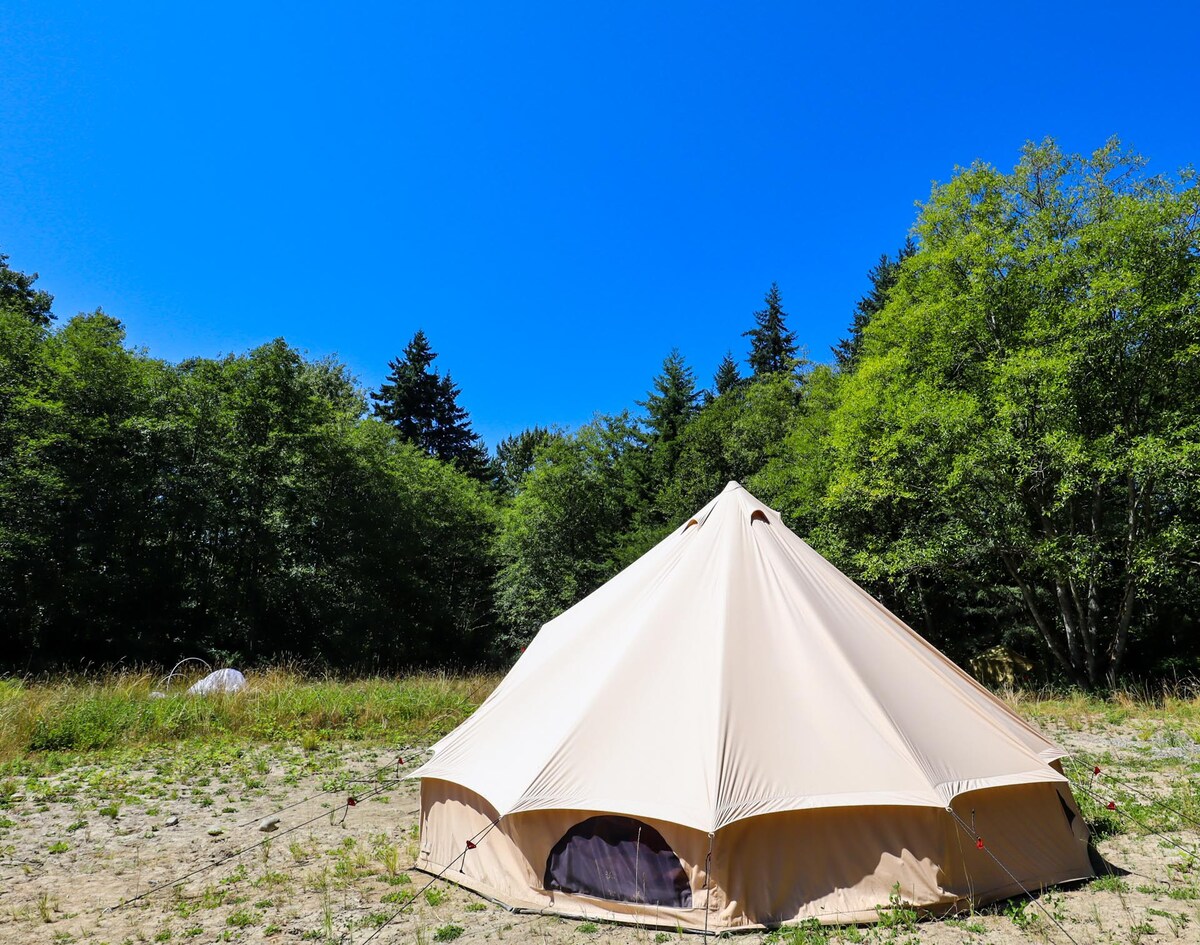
(732, 485)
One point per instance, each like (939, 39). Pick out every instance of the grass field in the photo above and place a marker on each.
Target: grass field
(94, 713)
(107, 793)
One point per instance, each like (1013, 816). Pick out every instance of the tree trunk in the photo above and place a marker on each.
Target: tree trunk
(1044, 627)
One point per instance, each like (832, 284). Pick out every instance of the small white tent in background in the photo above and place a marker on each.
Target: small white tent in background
(729, 734)
(219, 681)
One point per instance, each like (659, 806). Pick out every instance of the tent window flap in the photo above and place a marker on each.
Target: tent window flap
(620, 859)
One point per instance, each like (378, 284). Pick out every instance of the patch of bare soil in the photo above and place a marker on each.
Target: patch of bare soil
(91, 853)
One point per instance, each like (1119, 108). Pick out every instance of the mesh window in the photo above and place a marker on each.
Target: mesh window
(1067, 810)
(621, 859)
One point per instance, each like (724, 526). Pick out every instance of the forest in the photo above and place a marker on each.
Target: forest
(1005, 449)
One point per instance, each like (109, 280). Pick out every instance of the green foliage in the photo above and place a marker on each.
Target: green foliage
(103, 713)
(1006, 452)
(1021, 913)
(516, 456)
(1023, 399)
(562, 535)
(448, 933)
(1109, 882)
(727, 377)
(19, 298)
(670, 405)
(808, 932)
(241, 918)
(898, 914)
(243, 508)
(735, 438)
(422, 405)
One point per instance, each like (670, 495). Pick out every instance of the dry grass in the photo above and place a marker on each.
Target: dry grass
(1074, 709)
(100, 711)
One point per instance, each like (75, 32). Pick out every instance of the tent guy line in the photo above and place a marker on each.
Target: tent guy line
(469, 845)
(1117, 809)
(348, 803)
(374, 777)
(1097, 772)
(981, 844)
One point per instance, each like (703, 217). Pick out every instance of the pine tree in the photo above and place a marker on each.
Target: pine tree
(423, 407)
(727, 377)
(772, 345)
(883, 276)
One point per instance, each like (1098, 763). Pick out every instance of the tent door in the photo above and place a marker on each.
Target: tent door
(620, 859)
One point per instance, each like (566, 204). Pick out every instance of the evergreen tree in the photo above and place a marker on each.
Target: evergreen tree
(452, 436)
(727, 377)
(673, 400)
(407, 399)
(670, 405)
(18, 295)
(423, 408)
(883, 276)
(772, 345)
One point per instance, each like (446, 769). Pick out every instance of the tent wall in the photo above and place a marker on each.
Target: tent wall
(834, 864)
(510, 860)
(838, 864)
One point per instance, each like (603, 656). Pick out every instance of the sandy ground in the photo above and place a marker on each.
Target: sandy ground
(78, 843)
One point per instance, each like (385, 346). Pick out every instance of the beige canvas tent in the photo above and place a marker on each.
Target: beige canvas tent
(731, 733)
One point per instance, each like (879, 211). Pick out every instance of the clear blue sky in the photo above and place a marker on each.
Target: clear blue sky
(558, 193)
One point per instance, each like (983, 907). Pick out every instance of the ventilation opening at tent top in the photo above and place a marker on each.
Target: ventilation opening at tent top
(619, 859)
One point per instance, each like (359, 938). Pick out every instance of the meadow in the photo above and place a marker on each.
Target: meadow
(130, 819)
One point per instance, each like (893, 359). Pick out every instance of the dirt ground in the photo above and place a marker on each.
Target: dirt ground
(77, 843)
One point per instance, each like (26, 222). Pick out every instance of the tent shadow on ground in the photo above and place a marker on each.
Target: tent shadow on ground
(1102, 866)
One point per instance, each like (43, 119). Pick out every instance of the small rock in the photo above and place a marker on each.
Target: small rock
(214, 831)
(271, 823)
(172, 821)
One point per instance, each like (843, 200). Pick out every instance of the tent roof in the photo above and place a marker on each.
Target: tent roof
(732, 671)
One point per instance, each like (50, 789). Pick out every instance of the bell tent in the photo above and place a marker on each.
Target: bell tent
(732, 734)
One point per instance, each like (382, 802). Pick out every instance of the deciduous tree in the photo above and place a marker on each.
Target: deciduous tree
(1027, 396)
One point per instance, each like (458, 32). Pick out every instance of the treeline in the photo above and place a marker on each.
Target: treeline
(1005, 448)
(218, 507)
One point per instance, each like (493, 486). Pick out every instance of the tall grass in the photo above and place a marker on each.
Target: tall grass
(106, 710)
(1170, 702)
(103, 710)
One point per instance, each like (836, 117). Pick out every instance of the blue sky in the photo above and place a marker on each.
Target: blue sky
(558, 193)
